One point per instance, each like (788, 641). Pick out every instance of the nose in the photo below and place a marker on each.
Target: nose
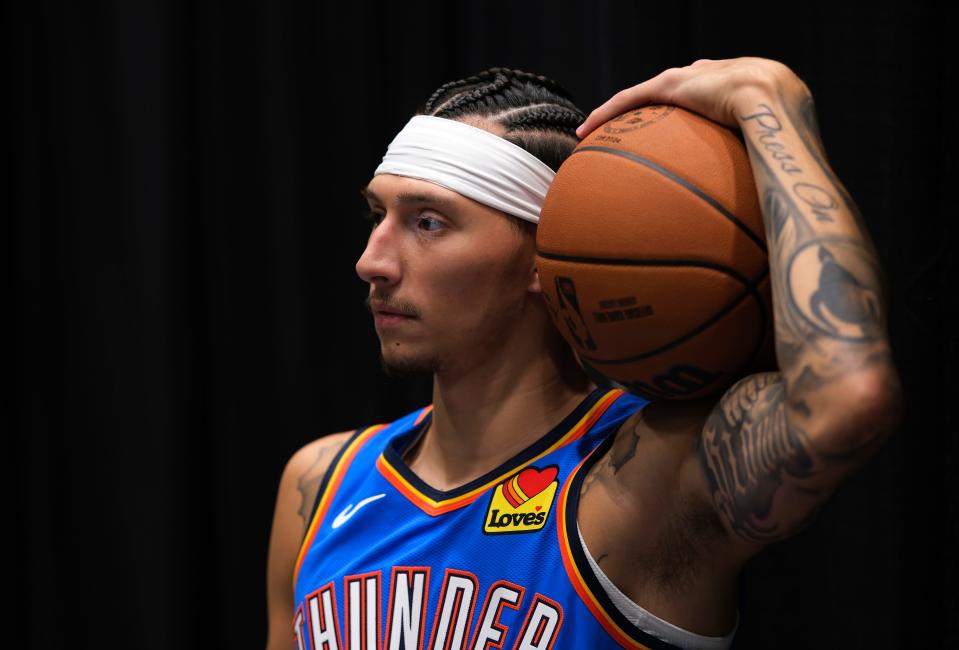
(379, 264)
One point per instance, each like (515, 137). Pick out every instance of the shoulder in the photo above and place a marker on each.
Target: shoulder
(316, 453)
(655, 441)
(642, 479)
(306, 468)
(299, 484)
(637, 509)
(640, 470)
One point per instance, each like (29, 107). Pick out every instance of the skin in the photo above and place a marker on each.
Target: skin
(689, 490)
(298, 487)
(499, 366)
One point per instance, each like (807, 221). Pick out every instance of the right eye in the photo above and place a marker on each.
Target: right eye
(373, 217)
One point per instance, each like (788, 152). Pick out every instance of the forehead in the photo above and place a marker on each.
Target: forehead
(391, 190)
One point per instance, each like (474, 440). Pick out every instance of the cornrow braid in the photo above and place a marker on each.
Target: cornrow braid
(536, 112)
(558, 118)
(447, 89)
(537, 79)
(471, 98)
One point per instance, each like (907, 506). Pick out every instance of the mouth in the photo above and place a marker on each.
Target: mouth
(379, 308)
(385, 316)
(390, 312)
(384, 320)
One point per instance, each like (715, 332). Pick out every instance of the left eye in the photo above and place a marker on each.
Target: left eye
(425, 222)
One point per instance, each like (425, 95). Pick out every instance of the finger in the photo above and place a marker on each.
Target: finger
(647, 92)
(606, 111)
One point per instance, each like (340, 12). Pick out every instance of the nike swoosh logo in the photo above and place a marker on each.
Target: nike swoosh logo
(350, 510)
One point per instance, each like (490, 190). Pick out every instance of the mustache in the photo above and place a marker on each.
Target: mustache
(388, 302)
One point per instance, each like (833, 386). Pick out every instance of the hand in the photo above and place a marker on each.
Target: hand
(714, 89)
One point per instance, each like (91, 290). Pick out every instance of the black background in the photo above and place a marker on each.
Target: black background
(183, 228)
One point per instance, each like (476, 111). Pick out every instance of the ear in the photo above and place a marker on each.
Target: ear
(534, 286)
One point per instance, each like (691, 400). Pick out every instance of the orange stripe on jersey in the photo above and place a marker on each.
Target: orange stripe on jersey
(434, 508)
(588, 420)
(336, 477)
(422, 416)
(427, 505)
(576, 578)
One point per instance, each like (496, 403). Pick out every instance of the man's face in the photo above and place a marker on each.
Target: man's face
(449, 277)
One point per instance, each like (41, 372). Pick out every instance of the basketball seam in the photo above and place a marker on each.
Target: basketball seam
(686, 184)
(750, 290)
(623, 261)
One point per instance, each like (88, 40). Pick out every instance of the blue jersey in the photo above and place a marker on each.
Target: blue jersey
(389, 562)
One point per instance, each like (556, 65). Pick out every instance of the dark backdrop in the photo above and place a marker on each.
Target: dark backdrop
(183, 224)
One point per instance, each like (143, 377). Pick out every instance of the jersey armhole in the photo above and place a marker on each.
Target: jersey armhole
(584, 581)
(600, 598)
(326, 479)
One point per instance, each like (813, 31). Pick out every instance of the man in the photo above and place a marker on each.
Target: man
(527, 507)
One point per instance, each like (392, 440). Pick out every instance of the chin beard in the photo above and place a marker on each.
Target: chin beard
(402, 367)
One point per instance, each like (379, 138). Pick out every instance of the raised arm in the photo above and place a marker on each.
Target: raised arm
(778, 444)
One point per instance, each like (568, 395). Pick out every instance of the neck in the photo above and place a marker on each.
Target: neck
(484, 415)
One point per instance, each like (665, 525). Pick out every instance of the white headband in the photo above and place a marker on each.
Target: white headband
(472, 162)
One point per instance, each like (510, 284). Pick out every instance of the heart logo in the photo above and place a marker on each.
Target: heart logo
(527, 484)
(521, 503)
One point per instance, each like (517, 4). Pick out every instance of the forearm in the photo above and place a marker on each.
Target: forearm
(777, 444)
(828, 303)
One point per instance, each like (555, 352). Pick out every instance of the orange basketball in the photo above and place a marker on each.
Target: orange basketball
(652, 255)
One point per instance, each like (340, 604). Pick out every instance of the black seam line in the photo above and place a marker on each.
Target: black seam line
(681, 181)
(624, 261)
(750, 290)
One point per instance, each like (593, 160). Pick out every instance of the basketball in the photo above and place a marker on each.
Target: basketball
(652, 255)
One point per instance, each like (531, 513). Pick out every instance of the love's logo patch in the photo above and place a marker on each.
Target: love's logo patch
(521, 503)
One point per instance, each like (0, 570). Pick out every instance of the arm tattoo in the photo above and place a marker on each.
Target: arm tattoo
(622, 451)
(624, 448)
(746, 451)
(309, 482)
(829, 317)
(844, 302)
(828, 307)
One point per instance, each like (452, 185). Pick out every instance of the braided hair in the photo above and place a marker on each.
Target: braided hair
(536, 112)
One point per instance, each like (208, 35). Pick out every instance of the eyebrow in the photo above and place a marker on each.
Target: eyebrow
(408, 197)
